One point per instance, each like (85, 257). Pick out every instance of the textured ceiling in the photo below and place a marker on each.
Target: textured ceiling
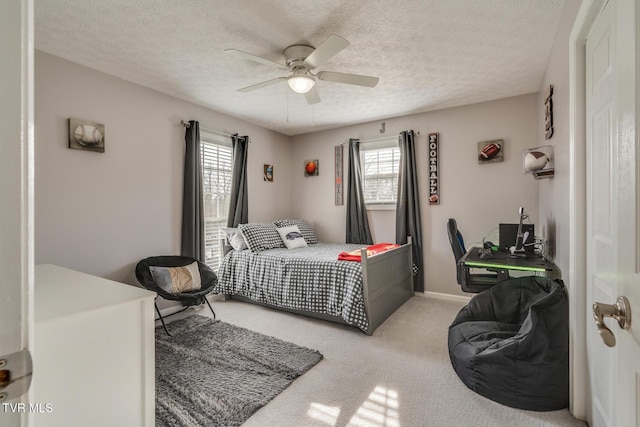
(429, 54)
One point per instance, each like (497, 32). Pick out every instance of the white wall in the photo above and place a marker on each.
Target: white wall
(101, 213)
(555, 201)
(478, 196)
(554, 192)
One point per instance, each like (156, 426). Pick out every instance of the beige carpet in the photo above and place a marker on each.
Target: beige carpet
(400, 376)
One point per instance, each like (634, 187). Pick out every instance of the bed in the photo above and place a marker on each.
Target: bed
(310, 280)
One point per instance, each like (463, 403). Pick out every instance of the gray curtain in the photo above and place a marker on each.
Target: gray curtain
(357, 222)
(192, 201)
(408, 205)
(239, 204)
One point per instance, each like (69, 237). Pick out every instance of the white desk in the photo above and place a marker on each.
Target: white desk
(94, 355)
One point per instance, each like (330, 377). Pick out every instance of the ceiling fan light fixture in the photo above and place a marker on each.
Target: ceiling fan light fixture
(301, 82)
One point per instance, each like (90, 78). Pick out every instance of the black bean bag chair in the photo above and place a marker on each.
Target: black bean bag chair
(511, 344)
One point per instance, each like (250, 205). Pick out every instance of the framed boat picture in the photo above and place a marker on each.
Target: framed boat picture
(268, 173)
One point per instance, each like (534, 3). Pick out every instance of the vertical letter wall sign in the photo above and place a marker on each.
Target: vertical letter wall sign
(548, 113)
(434, 182)
(338, 164)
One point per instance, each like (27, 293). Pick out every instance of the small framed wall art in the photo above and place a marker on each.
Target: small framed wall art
(311, 167)
(268, 173)
(490, 151)
(86, 135)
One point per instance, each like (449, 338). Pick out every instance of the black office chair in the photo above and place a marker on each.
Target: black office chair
(188, 299)
(472, 283)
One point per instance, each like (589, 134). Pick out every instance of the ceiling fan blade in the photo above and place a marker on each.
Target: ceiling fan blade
(327, 49)
(312, 96)
(350, 79)
(263, 84)
(255, 58)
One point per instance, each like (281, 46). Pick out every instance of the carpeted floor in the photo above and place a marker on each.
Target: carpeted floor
(210, 373)
(400, 376)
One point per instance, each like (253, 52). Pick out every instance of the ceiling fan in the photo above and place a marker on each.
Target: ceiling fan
(300, 60)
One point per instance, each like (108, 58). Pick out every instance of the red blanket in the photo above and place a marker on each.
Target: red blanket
(371, 250)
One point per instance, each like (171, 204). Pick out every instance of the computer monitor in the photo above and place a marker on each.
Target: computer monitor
(507, 234)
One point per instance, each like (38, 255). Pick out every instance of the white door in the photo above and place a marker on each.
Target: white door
(16, 207)
(613, 255)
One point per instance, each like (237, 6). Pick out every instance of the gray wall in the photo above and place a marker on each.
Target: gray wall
(478, 196)
(101, 213)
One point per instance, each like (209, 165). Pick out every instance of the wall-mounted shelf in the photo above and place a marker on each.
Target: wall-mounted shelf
(538, 161)
(543, 173)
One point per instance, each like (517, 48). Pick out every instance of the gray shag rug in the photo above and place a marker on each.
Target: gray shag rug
(211, 373)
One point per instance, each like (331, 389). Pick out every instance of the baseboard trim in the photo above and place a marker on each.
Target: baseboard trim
(440, 295)
(167, 311)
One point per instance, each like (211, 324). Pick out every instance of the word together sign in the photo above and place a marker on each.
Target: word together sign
(434, 181)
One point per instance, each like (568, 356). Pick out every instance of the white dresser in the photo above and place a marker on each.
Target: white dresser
(94, 356)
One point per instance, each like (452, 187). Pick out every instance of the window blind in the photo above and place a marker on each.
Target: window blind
(216, 183)
(380, 173)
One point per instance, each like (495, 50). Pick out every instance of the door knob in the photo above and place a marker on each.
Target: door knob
(621, 311)
(15, 374)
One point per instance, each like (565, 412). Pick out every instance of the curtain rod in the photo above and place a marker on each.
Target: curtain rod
(217, 132)
(380, 139)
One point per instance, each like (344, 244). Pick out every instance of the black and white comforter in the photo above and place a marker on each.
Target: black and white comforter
(308, 279)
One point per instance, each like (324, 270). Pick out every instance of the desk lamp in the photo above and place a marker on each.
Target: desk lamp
(517, 251)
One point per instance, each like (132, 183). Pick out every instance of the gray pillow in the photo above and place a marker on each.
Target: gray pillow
(261, 237)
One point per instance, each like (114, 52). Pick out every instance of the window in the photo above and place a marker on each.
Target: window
(216, 183)
(380, 161)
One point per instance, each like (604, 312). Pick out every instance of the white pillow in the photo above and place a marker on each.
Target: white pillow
(292, 237)
(305, 228)
(235, 238)
(260, 237)
(196, 280)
